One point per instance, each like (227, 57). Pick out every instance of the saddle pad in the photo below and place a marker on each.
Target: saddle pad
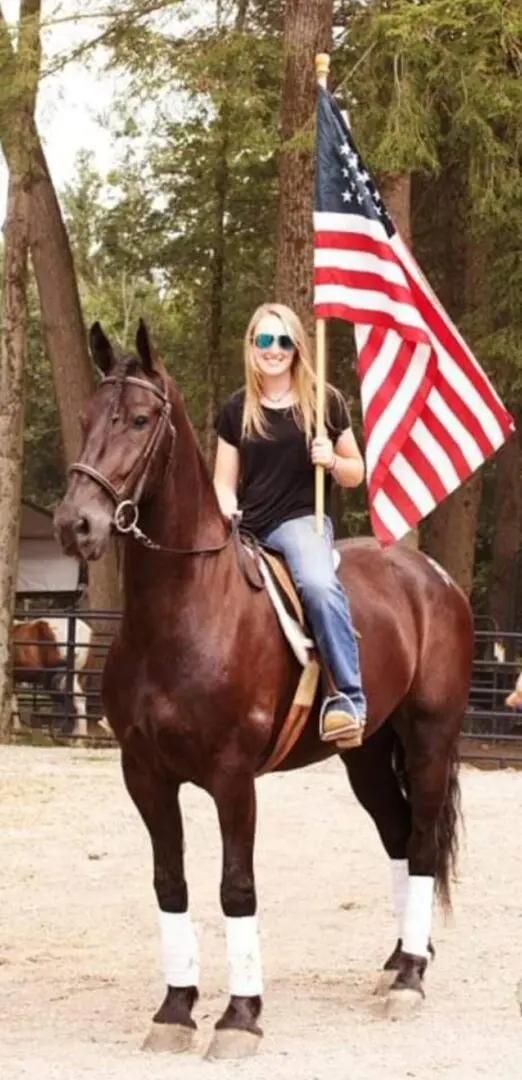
(276, 579)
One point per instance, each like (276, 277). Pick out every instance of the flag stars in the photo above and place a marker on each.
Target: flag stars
(351, 156)
(356, 190)
(348, 175)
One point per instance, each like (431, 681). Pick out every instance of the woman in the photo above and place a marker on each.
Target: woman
(266, 454)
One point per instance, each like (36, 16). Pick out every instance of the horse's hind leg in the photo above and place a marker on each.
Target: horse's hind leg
(157, 799)
(432, 764)
(376, 785)
(237, 1033)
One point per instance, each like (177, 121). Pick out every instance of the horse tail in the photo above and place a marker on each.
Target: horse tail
(449, 822)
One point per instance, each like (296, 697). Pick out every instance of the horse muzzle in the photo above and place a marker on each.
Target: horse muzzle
(82, 532)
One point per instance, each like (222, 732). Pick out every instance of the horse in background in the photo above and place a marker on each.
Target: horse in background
(514, 699)
(199, 680)
(39, 656)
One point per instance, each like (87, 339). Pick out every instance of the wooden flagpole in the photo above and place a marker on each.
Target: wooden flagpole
(322, 66)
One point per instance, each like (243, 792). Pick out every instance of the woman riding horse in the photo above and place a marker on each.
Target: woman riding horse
(266, 445)
(199, 680)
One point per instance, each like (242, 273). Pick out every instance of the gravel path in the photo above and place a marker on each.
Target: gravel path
(79, 971)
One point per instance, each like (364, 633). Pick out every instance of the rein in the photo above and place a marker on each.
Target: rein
(126, 499)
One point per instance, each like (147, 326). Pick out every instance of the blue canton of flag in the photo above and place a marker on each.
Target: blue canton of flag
(343, 183)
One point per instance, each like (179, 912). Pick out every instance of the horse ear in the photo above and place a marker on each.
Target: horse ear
(101, 348)
(144, 348)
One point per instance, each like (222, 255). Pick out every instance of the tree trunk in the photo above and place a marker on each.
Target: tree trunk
(307, 31)
(60, 307)
(217, 272)
(215, 326)
(395, 190)
(14, 337)
(452, 531)
(66, 343)
(507, 516)
(14, 334)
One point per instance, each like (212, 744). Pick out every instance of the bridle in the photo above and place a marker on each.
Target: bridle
(126, 499)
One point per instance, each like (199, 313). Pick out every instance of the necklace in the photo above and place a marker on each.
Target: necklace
(276, 399)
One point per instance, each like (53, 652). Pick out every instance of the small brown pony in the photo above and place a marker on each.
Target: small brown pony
(198, 682)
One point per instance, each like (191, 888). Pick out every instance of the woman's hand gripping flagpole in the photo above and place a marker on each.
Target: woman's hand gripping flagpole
(322, 66)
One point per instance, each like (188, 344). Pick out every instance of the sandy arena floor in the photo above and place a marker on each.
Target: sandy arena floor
(79, 971)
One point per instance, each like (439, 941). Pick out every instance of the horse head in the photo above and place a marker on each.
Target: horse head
(128, 438)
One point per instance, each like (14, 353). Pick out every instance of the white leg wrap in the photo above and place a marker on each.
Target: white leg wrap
(179, 949)
(399, 887)
(245, 977)
(417, 916)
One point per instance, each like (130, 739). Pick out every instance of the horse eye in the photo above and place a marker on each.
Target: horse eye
(140, 421)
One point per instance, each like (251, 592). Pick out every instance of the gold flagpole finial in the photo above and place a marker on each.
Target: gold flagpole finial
(322, 67)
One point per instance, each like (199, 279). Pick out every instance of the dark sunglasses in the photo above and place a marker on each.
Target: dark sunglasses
(265, 341)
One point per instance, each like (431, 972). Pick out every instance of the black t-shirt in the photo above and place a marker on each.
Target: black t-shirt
(276, 476)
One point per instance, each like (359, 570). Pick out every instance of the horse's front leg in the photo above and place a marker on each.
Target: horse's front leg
(15, 714)
(80, 708)
(237, 1033)
(157, 799)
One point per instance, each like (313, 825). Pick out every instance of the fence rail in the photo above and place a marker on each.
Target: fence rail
(63, 698)
(45, 703)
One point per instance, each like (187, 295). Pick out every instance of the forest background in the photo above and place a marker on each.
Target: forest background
(208, 211)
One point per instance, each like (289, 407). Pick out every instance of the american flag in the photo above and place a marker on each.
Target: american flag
(430, 415)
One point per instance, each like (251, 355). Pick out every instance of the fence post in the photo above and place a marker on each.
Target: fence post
(70, 667)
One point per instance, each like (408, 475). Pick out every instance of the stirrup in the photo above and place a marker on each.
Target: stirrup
(339, 723)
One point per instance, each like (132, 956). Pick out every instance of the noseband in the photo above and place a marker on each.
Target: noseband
(126, 499)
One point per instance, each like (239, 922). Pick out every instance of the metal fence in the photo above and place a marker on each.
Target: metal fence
(488, 721)
(492, 733)
(63, 700)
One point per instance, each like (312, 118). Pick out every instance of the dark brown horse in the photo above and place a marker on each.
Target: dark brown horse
(200, 678)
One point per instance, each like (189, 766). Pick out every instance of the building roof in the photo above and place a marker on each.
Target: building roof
(42, 566)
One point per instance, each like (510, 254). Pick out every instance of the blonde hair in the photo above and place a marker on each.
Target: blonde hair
(302, 373)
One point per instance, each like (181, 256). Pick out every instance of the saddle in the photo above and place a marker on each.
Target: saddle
(275, 578)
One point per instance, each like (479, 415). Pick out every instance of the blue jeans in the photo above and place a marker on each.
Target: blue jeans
(310, 561)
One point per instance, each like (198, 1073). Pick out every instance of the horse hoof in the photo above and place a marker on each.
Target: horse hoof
(384, 982)
(232, 1044)
(169, 1039)
(401, 1004)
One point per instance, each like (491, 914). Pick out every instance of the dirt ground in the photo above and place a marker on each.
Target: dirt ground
(79, 970)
